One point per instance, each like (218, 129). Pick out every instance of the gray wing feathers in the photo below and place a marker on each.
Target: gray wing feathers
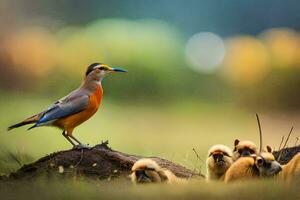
(71, 104)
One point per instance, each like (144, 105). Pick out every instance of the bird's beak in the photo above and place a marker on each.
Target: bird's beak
(116, 69)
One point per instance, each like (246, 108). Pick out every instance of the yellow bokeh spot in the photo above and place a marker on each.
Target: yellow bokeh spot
(77, 51)
(32, 51)
(246, 60)
(284, 46)
(146, 43)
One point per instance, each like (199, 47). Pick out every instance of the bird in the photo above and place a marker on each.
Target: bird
(75, 108)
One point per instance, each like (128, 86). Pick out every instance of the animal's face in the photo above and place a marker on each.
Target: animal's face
(219, 158)
(147, 171)
(147, 176)
(266, 164)
(243, 149)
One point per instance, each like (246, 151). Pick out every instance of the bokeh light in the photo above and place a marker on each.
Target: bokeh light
(205, 52)
(284, 46)
(246, 61)
(32, 50)
(151, 44)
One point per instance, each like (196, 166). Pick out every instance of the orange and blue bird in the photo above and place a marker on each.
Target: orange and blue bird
(75, 108)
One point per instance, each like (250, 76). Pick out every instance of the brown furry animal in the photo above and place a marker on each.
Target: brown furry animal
(291, 171)
(218, 161)
(148, 171)
(254, 166)
(243, 148)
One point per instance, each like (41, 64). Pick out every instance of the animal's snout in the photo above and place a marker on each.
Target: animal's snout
(218, 157)
(278, 168)
(245, 153)
(142, 176)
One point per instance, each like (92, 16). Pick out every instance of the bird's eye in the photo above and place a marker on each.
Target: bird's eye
(103, 68)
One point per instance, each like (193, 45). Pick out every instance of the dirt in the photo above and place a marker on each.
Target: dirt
(99, 162)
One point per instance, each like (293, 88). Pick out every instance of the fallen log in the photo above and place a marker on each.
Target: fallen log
(98, 162)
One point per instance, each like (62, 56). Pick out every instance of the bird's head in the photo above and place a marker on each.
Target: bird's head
(97, 71)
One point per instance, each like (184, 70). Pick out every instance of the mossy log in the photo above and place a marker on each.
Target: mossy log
(99, 162)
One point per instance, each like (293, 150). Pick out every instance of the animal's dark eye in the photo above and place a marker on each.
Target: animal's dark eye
(240, 151)
(102, 68)
(251, 151)
(225, 154)
(150, 169)
(260, 161)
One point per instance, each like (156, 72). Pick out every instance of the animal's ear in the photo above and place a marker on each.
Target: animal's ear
(236, 142)
(269, 149)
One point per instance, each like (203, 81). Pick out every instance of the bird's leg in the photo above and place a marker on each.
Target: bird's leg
(66, 136)
(80, 145)
(71, 136)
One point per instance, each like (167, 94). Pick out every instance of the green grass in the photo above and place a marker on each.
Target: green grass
(166, 130)
(80, 189)
(170, 131)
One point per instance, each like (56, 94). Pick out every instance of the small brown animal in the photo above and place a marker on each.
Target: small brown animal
(291, 171)
(243, 148)
(218, 161)
(254, 166)
(148, 171)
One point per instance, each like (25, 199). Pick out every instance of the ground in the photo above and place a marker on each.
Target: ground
(82, 189)
(169, 131)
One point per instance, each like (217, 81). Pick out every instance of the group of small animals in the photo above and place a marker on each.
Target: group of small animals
(245, 162)
(223, 164)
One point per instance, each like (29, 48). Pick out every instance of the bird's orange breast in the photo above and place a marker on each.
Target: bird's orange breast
(70, 122)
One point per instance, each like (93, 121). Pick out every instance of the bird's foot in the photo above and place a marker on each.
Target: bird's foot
(81, 146)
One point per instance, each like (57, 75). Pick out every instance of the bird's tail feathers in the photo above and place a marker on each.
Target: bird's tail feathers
(30, 120)
(31, 127)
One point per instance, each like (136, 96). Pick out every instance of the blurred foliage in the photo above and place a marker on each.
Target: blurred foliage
(256, 71)
(46, 56)
(151, 50)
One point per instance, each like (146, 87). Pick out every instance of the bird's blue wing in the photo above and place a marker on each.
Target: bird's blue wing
(72, 104)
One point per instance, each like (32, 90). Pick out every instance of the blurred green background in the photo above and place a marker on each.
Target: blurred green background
(198, 72)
